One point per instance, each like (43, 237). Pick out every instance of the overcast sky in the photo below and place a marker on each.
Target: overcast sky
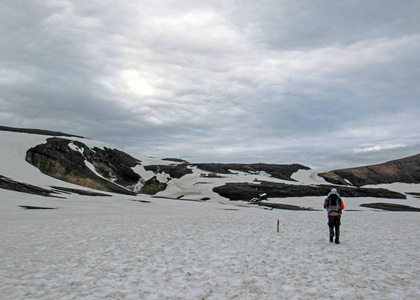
(329, 84)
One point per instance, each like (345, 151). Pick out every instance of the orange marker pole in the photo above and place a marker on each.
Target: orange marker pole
(278, 225)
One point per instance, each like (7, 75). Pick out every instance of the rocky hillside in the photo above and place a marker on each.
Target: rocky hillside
(406, 170)
(102, 167)
(280, 171)
(69, 160)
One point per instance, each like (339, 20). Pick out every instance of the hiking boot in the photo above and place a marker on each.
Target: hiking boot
(331, 238)
(337, 241)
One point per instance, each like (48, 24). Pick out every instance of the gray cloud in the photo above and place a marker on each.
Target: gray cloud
(226, 81)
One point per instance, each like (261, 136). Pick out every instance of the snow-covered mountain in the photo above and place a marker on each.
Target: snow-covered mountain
(54, 164)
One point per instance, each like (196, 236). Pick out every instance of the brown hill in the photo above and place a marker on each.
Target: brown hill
(406, 170)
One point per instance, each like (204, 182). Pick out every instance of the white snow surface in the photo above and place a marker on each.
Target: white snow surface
(139, 247)
(115, 248)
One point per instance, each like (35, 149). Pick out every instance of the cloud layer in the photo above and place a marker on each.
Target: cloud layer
(232, 81)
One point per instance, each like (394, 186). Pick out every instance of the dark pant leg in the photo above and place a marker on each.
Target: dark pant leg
(331, 225)
(337, 232)
(337, 228)
(334, 222)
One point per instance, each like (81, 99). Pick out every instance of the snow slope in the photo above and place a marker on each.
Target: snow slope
(138, 247)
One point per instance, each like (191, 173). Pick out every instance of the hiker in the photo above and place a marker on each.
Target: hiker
(334, 206)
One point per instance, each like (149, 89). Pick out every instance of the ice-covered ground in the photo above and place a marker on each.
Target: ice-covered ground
(115, 248)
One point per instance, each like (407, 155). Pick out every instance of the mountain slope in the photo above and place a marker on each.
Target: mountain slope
(72, 161)
(406, 170)
(36, 162)
(68, 162)
(75, 160)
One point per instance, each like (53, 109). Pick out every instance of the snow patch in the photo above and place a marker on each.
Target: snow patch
(93, 169)
(146, 175)
(308, 177)
(76, 148)
(137, 187)
(348, 181)
(163, 177)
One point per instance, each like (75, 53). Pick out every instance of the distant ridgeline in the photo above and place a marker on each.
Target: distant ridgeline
(406, 170)
(37, 131)
(111, 170)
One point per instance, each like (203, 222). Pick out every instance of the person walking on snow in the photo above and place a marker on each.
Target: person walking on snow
(334, 206)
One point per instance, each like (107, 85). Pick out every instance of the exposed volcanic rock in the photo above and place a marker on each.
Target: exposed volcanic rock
(35, 207)
(178, 160)
(284, 206)
(37, 131)
(391, 207)
(66, 160)
(79, 192)
(278, 171)
(9, 184)
(405, 170)
(113, 164)
(247, 191)
(175, 171)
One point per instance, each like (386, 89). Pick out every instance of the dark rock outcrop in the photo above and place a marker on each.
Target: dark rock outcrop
(37, 131)
(175, 171)
(247, 191)
(391, 207)
(80, 192)
(405, 170)
(35, 207)
(65, 159)
(417, 195)
(177, 160)
(284, 206)
(276, 170)
(114, 165)
(9, 184)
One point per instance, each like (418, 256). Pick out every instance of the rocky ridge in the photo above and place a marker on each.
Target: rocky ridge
(38, 131)
(406, 170)
(68, 160)
(248, 191)
(279, 171)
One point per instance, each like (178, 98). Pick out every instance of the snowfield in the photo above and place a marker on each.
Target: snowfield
(139, 247)
(115, 248)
